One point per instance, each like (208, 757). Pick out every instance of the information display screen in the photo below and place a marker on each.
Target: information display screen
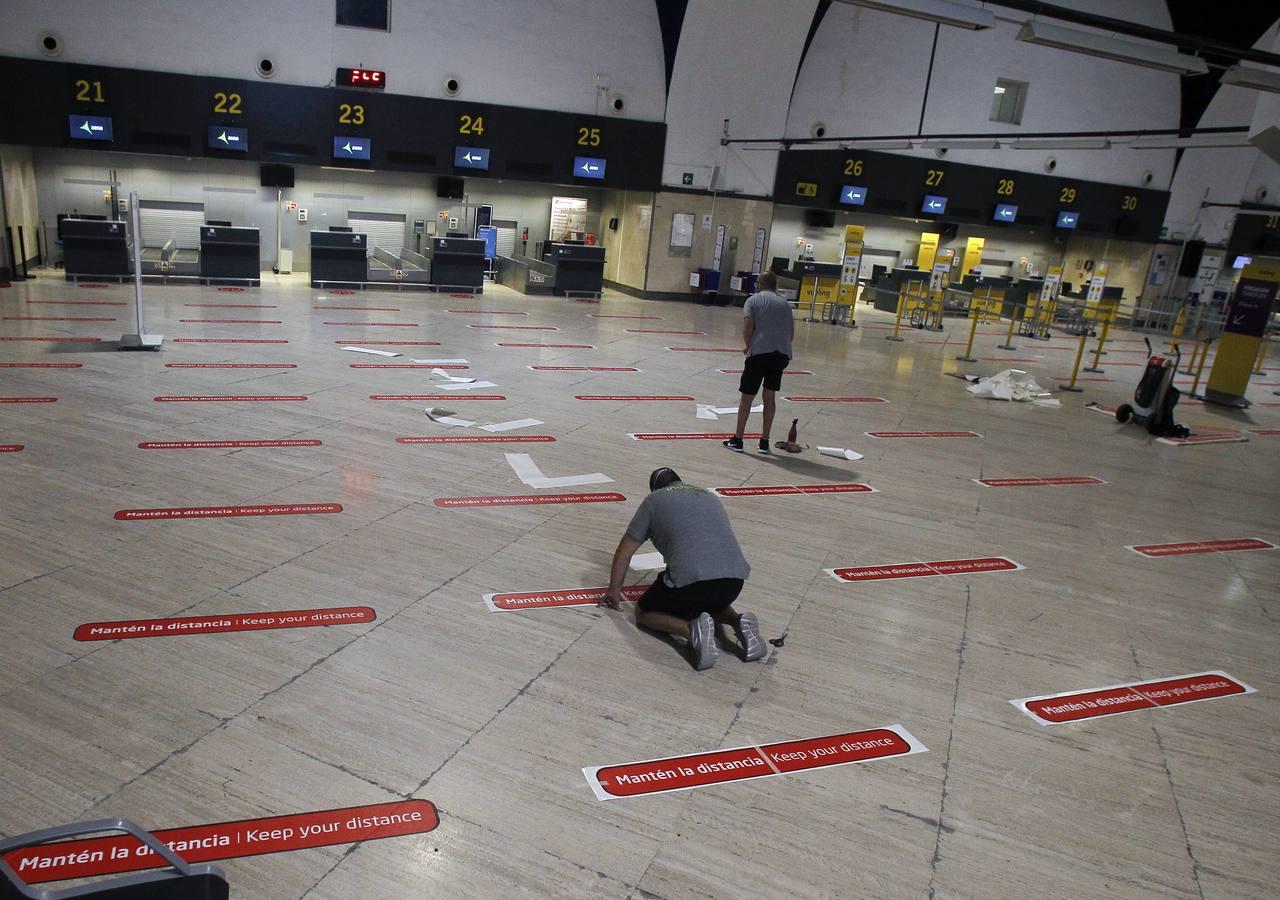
(853, 195)
(588, 167)
(363, 78)
(1005, 212)
(90, 128)
(1067, 219)
(224, 137)
(471, 158)
(347, 147)
(933, 205)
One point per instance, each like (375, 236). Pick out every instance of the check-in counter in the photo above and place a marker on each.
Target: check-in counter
(338, 258)
(988, 291)
(230, 254)
(457, 262)
(95, 248)
(819, 284)
(579, 269)
(1020, 296)
(896, 281)
(525, 274)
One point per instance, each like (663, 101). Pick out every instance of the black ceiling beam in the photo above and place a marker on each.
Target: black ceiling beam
(995, 135)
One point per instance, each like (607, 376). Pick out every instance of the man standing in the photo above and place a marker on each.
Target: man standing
(704, 575)
(767, 327)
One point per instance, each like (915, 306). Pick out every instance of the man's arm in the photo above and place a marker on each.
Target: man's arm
(627, 548)
(748, 329)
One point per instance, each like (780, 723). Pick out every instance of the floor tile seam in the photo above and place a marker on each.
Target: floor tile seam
(946, 764)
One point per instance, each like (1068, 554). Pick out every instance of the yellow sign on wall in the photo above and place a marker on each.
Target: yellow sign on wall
(806, 189)
(928, 250)
(973, 254)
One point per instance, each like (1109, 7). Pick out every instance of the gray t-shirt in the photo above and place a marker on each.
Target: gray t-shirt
(774, 324)
(689, 526)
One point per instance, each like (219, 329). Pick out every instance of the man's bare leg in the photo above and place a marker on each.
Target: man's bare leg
(744, 412)
(667, 624)
(770, 406)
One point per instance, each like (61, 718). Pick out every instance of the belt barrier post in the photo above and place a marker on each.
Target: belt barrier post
(973, 330)
(1204, 354)
(1013, 322)
(1262, 352)
(897, 322)
(1075, 370)
(1102, 339)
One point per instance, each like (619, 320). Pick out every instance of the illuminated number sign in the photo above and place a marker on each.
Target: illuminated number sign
(361, 78)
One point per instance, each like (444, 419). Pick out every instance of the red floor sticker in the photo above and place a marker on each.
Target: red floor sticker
(402, 366)
(220, 445)
(706, 350)
(11, 448)
(55, 340)
(1206, 437)
(228, 341)
(777, 489)
(41, 365)
(682, 773)
(658, 331)
(890, 571)
(528, 500)
(1045, 481)
(217, 512)
(360, 308)
(230, 366)
(480, 439)
(584, 369)
(59, 318)
(221, 624)
(232, 321)
(513, 602)
(553, 346)
(230, 305)
(223, 840)
(379, 324)
(28, 399)
(342, 292)
(392, 343)
(1270, 432)
(231, 290)
(93, 285)
(518, 327)
(77, 303)
(789, 372)
(686, 436)
(450, 397)
(1072, 706)
(922, 434)
(233, 398)
(463, 296)
(1185, 548)
(836, 399)
(631, 397)
(485, 312)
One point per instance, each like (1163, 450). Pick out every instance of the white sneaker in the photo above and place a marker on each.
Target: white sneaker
(702, 642)
(748, 630)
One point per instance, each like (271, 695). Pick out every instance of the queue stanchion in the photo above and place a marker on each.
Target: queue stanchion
(897, 322)
(1107, 316)
(1262, 352)
(1075, 369)
(1013, 323)
(1204, 354)
(1179, 323)
(973, 330)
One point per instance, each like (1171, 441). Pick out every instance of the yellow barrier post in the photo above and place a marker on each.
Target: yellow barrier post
(1262, 353)
(1075, 370)
(1013, 323)
(1176, 332)
(897, 322)
(973, 330)
(1204, 354)
(1107, 315)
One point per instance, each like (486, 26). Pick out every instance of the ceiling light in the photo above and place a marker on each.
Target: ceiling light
(940, 11)
(1249, 77)
(1061, 144)
(1092, 44)
(1190, 142)
(961, 144)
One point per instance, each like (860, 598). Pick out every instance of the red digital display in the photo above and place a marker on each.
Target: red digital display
(364, 78)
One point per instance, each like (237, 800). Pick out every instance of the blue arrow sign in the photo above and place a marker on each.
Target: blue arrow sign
(934, 205)
(224, 137)
(90, 128)
(588, 167)
(1067, 219)
(853, 195)
(348, 147)
(471, 158)
(1005, 212)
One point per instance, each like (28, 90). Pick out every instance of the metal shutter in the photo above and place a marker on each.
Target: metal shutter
(175, 220)
(385, 230)
(506, 236)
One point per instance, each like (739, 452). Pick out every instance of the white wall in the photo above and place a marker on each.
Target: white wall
(534, 54)
(73, 180)
(736, 61)
(865, 75)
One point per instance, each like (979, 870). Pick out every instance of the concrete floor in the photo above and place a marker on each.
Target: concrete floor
(492, 716)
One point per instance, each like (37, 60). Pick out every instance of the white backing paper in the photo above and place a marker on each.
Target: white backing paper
(461, 379)
(528, 472)
(443, 417)
(510, 426)
(464, 386)
(839, 453)
(367, 350)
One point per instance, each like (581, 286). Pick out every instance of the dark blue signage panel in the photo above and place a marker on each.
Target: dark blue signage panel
(1068, 219)
(90, 128)
(1005, 212)
(489, 234)
(471, 158)
(852, 195)
(1250, 311)
(588, 167)
(933, 205)
(347, 147)
(224, 137)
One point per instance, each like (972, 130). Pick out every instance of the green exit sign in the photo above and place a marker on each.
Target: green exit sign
(686, 178)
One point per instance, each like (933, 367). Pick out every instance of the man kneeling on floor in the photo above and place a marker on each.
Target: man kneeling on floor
(705, 569)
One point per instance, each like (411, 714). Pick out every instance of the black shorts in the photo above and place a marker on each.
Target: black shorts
(763, 367)
(692, 600)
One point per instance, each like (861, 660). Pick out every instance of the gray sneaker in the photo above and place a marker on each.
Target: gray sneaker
(702, 642)
(748, 630)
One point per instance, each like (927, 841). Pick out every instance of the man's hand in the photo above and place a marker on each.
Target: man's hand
(612, 599)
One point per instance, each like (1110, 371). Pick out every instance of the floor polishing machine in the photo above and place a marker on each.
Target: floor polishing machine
(1156, 397)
